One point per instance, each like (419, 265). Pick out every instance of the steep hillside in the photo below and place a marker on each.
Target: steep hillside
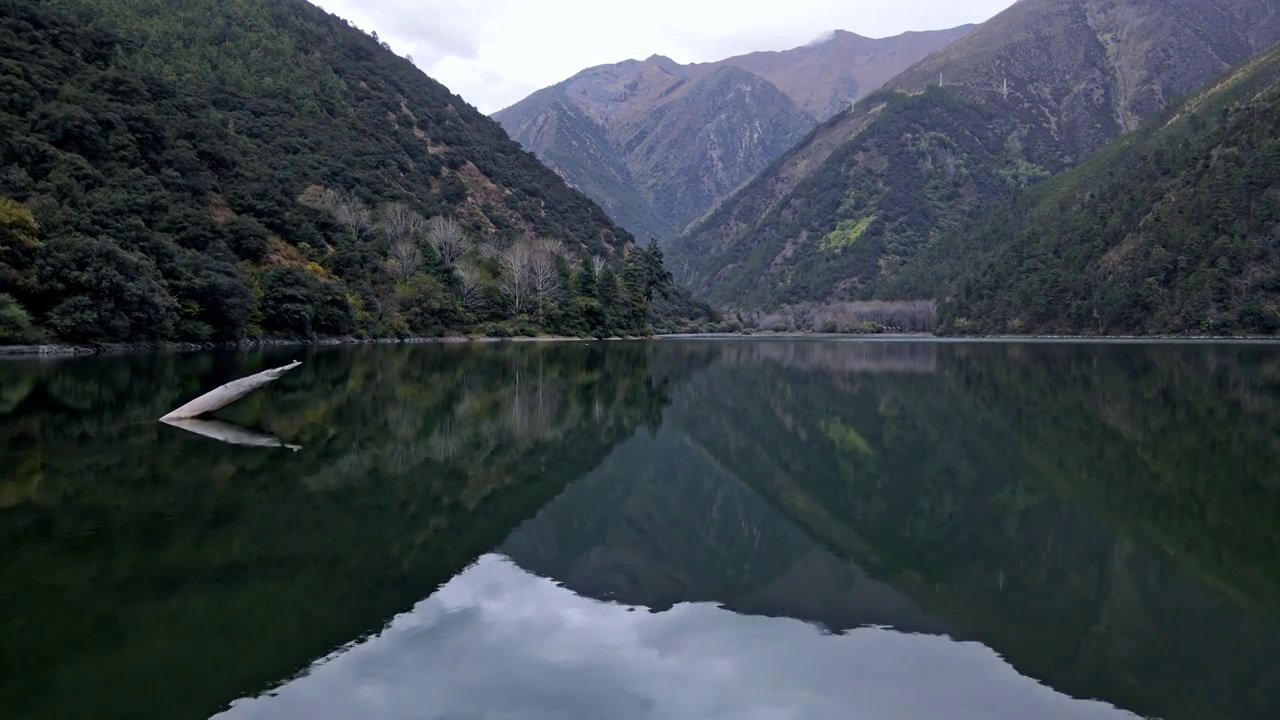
(826, 76)
(1033, 91)
(727, 127)
(568, 139)
(654, 143)
(1174, 229)
(657, 143)
(230, 170)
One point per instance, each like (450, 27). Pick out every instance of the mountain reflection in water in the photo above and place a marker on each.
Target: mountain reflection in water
(762, 528)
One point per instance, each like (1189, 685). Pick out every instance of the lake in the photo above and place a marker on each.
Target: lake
(673, 529)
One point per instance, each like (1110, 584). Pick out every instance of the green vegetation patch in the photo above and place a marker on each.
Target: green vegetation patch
(846, 437)
(846, 234)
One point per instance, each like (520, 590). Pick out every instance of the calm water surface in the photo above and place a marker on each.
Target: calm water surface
(692, 529)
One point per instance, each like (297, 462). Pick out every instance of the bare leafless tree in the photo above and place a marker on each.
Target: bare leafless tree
(801, 316)
(448, 238)
(847, 317)
(398, 221)
(515, 282)
(404, 259)
(354, 215)
(551, 247)
(544, 276)
(319, 197)
(402, 226)
(598, 264)
(348, 210)
(471, 281)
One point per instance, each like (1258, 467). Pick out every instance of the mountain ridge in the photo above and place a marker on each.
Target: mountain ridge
(652, 143)
(849, 65)
(1028, 94)
(658, 143)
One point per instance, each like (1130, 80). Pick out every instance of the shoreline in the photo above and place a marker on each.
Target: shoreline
(66, 350)
(63, 350)
(1010, 339)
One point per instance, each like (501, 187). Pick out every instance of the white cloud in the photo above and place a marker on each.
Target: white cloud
(498, 642)
(495, 52)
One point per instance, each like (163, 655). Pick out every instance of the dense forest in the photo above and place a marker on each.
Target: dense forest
(204, 171)
(1173, 229)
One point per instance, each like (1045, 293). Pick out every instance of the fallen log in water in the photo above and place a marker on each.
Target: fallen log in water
(228, 433)
(227, 394)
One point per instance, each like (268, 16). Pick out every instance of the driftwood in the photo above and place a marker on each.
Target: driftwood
(228, 433)
(227, 394)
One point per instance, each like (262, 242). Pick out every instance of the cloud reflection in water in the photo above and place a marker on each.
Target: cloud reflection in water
(498, 642)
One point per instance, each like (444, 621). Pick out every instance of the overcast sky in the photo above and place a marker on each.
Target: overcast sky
(495, 52)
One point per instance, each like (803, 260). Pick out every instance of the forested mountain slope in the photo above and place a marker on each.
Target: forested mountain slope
(658, 143)
(200, 170)
(1033, 91)
(1173, 229)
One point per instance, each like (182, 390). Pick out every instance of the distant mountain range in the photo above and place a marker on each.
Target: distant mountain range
(1035, 90)
(826, 76)
(657, 143)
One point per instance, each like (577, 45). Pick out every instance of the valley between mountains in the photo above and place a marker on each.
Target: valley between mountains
(200, 172)
(658, 143)
(963, 177)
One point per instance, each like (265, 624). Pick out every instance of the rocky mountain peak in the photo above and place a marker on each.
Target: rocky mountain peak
(634, 134)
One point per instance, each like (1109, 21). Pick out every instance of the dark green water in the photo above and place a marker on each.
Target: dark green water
(767, 529)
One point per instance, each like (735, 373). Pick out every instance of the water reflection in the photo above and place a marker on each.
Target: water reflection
(920, 497)
(791, 521)
(1095, 513)
(229, 433)
(660, 523)
(151, 572)
(499, 642)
